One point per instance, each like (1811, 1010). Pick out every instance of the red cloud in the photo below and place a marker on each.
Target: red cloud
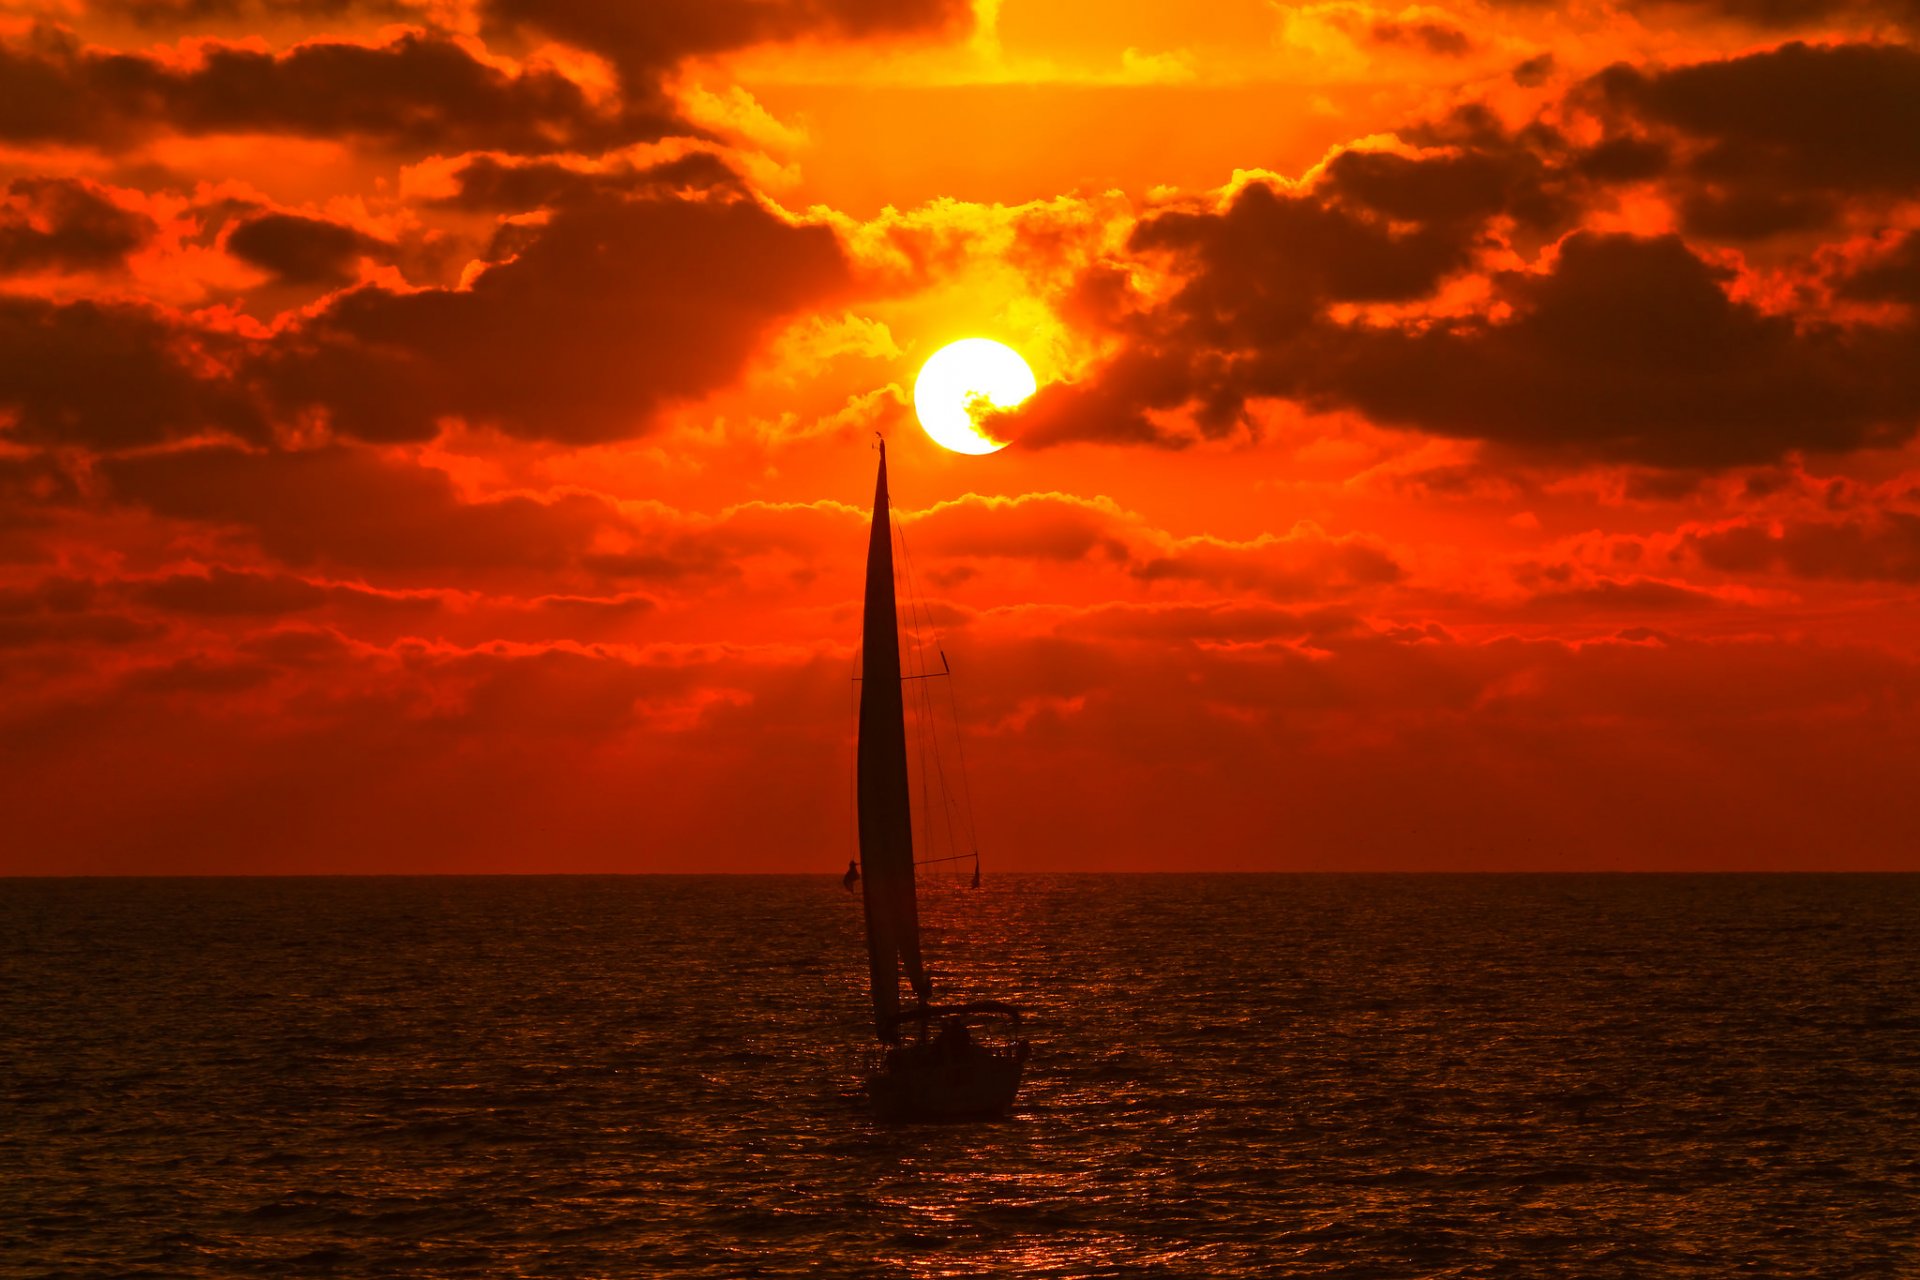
(350, 507)
(112, 374)
(301, 250)
(1877, 547)
(67, 224)
(512, 512)
(589, 325)
(347, 746)
(645, 41)
(418, 92)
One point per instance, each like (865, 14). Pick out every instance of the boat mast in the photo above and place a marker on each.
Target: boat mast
(884, 800)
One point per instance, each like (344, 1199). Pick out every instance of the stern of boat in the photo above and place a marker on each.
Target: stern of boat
(919, 1083)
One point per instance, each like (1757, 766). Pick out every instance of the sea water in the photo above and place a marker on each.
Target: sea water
(1355, 1076)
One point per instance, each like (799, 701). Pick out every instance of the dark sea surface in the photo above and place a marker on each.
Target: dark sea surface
(1351, 1076)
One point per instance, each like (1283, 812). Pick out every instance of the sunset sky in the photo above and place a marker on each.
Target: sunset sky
(437, 436)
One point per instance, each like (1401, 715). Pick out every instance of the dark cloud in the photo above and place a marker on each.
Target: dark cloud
(232, 593)
(677, 564)
(673, 549)
(1876, 547)
(1892, 277)
(1442, 39)
(1122, 402)
(593, 609)
(1306, 564)
(491, 184)
(1455, 193)
(296, 645)
(353, 507)
(302, 250)
(420, 92)
(1535, 70)
(1260, 275)
(1610, 597)
(1777, 16)
(1623, 159)
(643, 40)
(220, 592)
(583, 328)
(1753, 215)
(1626, 350)
(196, 675)
(63, 611)
(1270, 261)
(1784, 15)
(114, 375)
(37, 489)
(1160, 624)
(66, 224)
(199, 13)
(1630, 350)
(601, 316)
(34, 478)
(1037, 526)
(1774, 139)
(56, 594)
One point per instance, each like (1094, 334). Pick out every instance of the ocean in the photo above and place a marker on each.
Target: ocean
(1232, 1076)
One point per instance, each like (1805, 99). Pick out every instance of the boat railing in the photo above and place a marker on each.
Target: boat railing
(974, 1013)
(880, 1057)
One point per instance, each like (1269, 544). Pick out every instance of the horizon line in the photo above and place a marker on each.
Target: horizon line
(835, 876)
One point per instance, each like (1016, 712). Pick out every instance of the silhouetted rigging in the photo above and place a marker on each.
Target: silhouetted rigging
(953, 1075)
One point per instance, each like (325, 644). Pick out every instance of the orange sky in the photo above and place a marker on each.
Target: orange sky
(434, 433)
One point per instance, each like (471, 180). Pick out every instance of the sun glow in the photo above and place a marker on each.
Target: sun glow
(963, 380)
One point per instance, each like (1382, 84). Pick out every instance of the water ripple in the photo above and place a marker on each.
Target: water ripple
(1233, 1076)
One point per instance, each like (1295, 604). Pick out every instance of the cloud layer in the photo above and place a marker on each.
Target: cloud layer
(434, 438)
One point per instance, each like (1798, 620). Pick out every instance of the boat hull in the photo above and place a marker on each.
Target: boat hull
(922, 1083)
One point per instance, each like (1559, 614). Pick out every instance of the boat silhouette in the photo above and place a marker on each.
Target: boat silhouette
(931, 1062)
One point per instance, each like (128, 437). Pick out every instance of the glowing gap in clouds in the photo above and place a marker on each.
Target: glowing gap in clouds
(966, 377)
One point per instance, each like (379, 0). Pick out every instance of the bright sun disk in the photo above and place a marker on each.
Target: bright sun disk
(964, 380)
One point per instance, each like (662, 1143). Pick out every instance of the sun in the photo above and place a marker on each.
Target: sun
(964, 379)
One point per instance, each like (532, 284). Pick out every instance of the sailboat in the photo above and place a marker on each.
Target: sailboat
(935, 1061)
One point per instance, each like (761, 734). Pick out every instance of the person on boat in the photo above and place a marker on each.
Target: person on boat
(954, 1040)
(852, 877)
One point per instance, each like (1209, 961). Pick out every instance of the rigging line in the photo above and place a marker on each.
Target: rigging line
(928, 828)
(966, 779)
(932, 720)
(917, 600)
(924, 729)
(913, 630)
(926, 697)
(959, 738)
(940, 764)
